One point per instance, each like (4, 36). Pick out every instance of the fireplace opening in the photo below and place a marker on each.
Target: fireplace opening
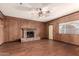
(30, 34)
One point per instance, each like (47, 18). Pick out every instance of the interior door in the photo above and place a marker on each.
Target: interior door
(51, 32)
(1, 32)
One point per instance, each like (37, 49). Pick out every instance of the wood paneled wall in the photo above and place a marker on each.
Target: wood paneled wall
(74, 39)
(10, 28)
(13, 26)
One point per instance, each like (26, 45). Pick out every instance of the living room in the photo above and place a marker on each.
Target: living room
(39, 29)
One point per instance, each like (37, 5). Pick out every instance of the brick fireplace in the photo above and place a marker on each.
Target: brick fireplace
(29, 34)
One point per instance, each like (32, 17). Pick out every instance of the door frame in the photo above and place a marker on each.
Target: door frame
(50, 31)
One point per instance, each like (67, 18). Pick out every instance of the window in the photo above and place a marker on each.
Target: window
(69, 27)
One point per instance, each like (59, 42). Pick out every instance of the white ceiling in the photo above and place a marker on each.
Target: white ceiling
(57, 10)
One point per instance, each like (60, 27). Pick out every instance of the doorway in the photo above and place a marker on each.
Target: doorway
(51, 32)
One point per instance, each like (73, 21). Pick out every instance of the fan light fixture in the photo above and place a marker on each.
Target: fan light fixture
(39, 11)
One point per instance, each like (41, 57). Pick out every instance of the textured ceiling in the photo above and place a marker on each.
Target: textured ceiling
(25, 11)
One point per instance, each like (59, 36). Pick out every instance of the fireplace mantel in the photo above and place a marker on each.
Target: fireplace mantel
(26, 30)
(29, 34)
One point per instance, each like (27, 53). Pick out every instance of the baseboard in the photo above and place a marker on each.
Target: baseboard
(18, 40)
(66, 42)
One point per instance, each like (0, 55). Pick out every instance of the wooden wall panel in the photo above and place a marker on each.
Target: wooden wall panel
(14, 25)
(74, 39)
